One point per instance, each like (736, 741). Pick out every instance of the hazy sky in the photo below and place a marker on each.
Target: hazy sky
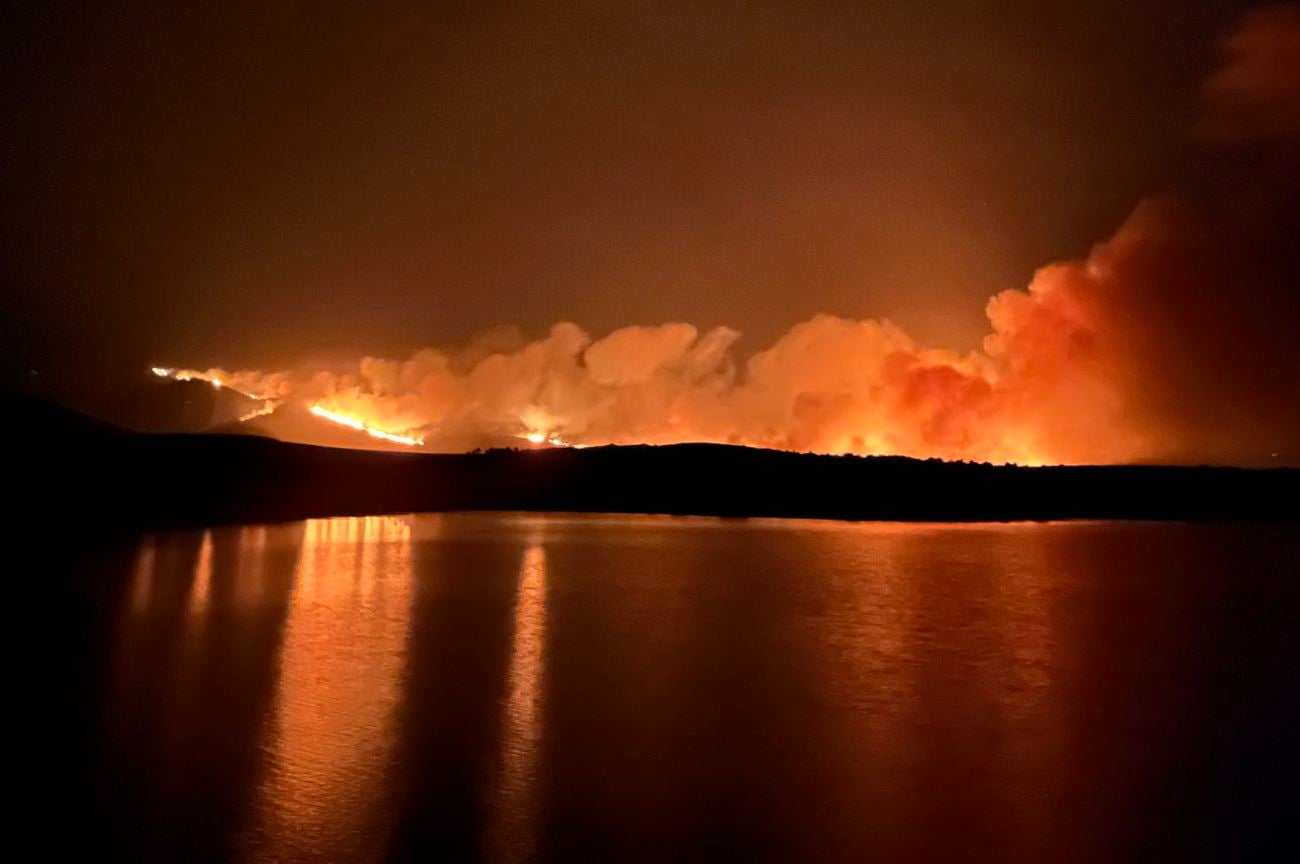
(259, 183)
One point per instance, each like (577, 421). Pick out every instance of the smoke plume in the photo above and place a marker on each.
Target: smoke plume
(1173, 340)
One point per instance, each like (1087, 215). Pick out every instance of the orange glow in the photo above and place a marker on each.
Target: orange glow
(269, 403)
(515, 804)
(829, 385)
(142, 579)
(362, 426)
(540, 425)
(201, 592)
(552, 440)
(331, 731)
(1062, 377)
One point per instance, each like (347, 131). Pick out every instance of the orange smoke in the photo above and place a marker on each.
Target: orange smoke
(1173, 340)
(1125, 355)
(1130, 354)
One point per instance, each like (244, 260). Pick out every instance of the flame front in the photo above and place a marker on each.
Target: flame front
(217, 381)
(362, 426)
(269, 403)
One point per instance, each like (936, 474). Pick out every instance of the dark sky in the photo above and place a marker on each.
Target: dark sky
(259, 183)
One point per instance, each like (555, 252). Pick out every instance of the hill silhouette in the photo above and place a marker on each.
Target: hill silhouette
(64, 461)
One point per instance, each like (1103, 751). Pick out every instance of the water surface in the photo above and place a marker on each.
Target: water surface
(516, 687)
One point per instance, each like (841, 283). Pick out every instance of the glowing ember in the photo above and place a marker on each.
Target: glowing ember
(360, 426)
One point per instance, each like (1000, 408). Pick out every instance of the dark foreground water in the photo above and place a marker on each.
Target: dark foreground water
(572, 688)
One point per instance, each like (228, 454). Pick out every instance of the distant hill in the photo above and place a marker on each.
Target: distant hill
(147, 403)
(62, 461)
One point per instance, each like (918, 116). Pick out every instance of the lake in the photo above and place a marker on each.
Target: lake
(516, 687)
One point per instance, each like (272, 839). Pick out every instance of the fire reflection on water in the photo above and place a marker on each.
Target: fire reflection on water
(509, 687)
(514, 807)
(330, 731)
(201, 593)
(142, 577)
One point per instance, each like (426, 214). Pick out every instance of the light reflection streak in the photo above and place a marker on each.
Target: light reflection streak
(142, 577)
(1027, 694)
(250, 578)
(331, 730)
(514, 808)
(870, 624)
(201, 592)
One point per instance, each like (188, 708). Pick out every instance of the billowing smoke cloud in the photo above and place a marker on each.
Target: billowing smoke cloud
(1173, 340)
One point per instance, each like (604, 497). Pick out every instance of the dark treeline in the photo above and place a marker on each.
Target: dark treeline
(66, 463)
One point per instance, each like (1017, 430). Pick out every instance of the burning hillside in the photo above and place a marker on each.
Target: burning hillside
(1173, 340)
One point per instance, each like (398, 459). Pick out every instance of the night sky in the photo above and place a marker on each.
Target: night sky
(266, 183)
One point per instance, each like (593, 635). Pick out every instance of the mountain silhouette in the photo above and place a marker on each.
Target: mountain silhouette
(62, 459)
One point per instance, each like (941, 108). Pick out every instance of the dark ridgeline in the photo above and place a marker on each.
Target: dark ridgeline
(66, 460)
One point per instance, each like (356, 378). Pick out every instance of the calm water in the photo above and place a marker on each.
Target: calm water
(520, 687)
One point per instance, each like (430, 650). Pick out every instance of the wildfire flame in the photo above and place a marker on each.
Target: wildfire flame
(541, 427)
(217, 383)
(361, 426)
(271, 403)
(1171, 340)
(549, 439)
